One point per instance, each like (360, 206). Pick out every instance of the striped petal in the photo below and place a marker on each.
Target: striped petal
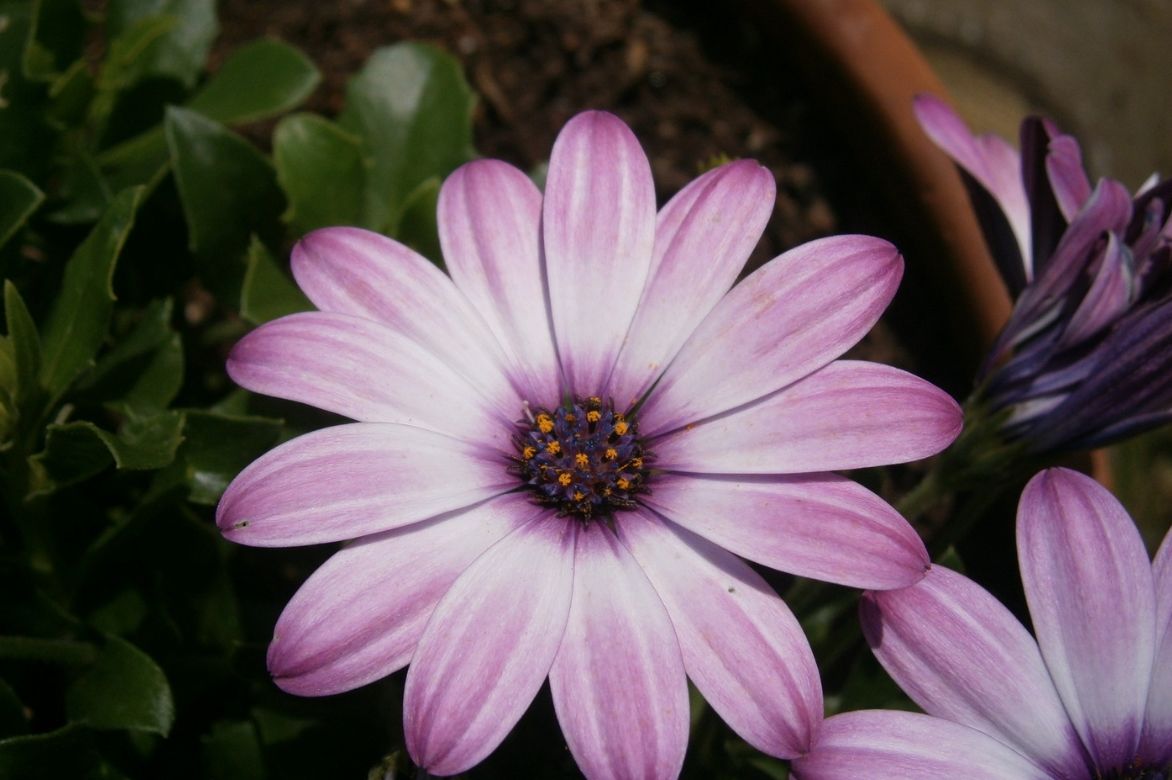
(352, 480)
(360, 615)
(1158, 726)
(1091, 596)
(488, 647)
(618, 681)
(849, 415)
(741, 646)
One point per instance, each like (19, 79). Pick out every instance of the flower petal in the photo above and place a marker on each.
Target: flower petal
(598, 225)
(488, 647)
(490, 231)
(848, 415)
(360, 615)
(989, 159)
(1158, 726)
(618, 681)
(741, 645)
(964, 657)
(703, 237)
(365, 371)
(818, 525)
(1091, 596)
(1068, 178)
(353, 480)
(889, 745)
(791, 317)
(365, 274)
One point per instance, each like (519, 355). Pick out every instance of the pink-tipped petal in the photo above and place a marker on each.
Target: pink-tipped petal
(889, 745)
(822, 526)
(703, 237)
(1157, 743)
(490, 231)
(353, 480)
(360, 615)
(791, 317)
(1089, 586)
(963, 656)
(848, 415)
(618, 681)
(598, 226)
(488, 647)
(365, 371)
(365, 274)
(742, 646)
(989, 159)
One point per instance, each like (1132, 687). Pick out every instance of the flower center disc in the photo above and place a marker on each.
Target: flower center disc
(582, 457)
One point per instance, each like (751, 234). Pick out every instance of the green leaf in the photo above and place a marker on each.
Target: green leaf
(413, 109)
(232, 752)
(78, 450)
(65, 753)
(268, 293)
(228, 191)
(180, 54)
(217, 447)
(79, 317)
(143, 370)
(260, 80)
(26, 345)
(322, 171)
(19, 198)
(417, 227)
(124, 689)
(55, 38)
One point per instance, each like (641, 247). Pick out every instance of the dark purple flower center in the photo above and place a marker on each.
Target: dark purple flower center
(582, 457)
(1140, 773)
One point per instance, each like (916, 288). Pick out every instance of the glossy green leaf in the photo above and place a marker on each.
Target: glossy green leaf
(19, 198)
(180, 54)
(124, 689)
(322, 171)
(79, 317)
(76, 451)
(228, 191)
(218, 447)
(417, 226)
(26, 346)
(65, 753)
(413, 110)
(260, 80)
(84, 192)
(126, 63)
(268, 292)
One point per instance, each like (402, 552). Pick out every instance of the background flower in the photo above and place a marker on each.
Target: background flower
(663, 423)
(1090, 699)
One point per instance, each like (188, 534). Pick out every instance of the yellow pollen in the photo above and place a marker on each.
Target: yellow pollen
(579, 495)
(564, 479)
(571, 418)
(623, 483)
(528, 453)
(553, 448)
(594, 400)
(581, 460)
(620, 428)
(593, 415)
(637, 463)
(544, 423)
(611, 453)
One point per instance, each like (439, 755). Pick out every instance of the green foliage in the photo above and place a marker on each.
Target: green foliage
(19, 198)
(122, 689)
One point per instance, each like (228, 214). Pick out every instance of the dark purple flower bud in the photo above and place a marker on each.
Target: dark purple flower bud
(1086, 355)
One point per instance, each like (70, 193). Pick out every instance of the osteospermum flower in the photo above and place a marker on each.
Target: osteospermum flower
(1091, 698)
(564, 446)
(1086, 357)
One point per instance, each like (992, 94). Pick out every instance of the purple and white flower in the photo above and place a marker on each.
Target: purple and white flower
(564, 446)
(1086, 357)
(1090, 699)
